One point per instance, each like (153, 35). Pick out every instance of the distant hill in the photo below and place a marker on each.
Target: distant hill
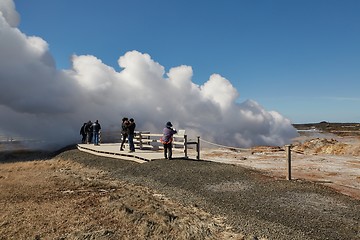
(342, 129)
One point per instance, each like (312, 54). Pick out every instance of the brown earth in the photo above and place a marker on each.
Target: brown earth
(62, 199)
(75, 195)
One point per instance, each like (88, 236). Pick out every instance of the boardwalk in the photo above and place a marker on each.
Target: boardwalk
(113, 150)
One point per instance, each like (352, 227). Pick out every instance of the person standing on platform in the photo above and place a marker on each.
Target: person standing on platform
(83, 133)
(124, 132)
(131, 133)
(167, 139)
(88, 131)
(96, 131)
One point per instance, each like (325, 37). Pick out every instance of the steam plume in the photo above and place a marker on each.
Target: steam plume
(39, 101)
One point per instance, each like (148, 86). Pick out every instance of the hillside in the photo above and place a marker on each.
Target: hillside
(342, 129)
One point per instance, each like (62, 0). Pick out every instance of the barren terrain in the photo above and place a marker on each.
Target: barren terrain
(75, 195)
(326, 159)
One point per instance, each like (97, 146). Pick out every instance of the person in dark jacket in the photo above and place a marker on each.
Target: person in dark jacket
(167, 139)
(83, 133)
(124, 132)
(88, 131)
(96, 131)
(131, 133)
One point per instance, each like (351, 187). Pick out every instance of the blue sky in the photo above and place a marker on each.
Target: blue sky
(300, 58)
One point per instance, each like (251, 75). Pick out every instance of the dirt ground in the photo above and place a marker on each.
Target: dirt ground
(73, 195)
(325, 158)
(62, 199)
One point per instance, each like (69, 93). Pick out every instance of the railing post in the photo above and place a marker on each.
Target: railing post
(185, 146)
(140, 141)
(198, 148)
(288, 156)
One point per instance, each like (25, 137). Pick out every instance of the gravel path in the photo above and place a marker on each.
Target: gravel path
(252, 203)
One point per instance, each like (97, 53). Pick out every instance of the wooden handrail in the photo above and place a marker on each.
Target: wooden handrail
(145, 139)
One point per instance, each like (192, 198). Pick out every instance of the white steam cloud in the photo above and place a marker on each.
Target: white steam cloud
(39, 101)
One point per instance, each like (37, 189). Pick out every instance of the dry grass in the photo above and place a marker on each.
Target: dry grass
(59, 199)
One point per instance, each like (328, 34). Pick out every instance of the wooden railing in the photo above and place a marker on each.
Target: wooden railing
(145, 140)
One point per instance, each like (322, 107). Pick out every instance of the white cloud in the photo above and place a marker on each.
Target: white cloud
(39, 101)
(92, 75)
(220, 91)
(8, 12)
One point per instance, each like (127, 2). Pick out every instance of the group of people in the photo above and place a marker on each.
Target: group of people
(128, 131)
(90, 132)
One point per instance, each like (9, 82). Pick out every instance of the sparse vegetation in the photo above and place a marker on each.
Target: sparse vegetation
(61, 199)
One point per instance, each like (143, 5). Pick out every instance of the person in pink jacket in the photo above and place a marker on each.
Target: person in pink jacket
(167, 139)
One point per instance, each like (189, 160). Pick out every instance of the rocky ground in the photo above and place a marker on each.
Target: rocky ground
(75, 195)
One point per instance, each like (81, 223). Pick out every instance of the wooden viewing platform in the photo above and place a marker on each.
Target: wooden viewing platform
(113, 150)
(147, 147)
